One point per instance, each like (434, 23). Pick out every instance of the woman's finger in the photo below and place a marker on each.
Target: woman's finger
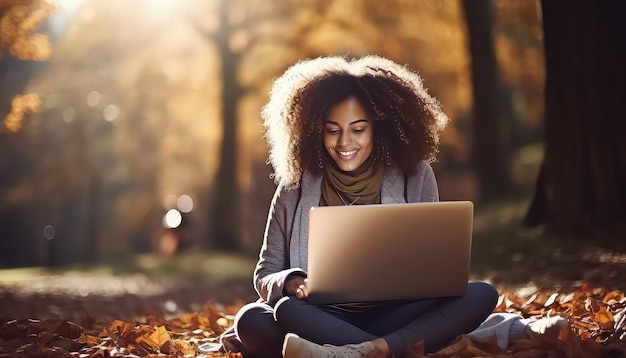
(300, 293)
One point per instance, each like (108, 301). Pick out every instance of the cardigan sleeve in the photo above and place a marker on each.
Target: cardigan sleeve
(430, 190)
(273, 266)
(422, 186)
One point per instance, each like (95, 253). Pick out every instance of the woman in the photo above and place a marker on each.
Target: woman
(344, 132)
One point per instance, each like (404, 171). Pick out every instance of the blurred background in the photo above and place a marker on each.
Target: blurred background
(130, 127)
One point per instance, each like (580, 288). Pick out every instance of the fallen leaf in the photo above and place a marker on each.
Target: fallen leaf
(158, 338)
(69, 330)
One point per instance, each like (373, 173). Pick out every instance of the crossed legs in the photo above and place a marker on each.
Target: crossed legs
(437, 322)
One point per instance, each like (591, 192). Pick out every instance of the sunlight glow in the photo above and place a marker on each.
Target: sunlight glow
(171, 68)
(65, 11)
(199, 81)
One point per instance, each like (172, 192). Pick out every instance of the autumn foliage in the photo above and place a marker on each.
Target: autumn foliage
(19, 21)
(188, 335)
(596, 317)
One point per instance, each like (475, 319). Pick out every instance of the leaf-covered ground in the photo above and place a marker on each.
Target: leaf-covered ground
(178, 306)
(596, 317)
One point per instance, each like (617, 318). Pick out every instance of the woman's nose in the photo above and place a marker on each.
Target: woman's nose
(344, 139)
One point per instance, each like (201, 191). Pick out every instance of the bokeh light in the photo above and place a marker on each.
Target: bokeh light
(170, 306)
(111, 112)
(48, 232)
(172, 219)
(69, 113)
(184, 203)
(93, 98)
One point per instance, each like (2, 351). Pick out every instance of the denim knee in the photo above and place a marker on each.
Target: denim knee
(256, 328)
(284, 307)
(484, 293)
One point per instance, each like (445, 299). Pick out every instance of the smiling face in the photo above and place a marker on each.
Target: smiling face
(348, 134)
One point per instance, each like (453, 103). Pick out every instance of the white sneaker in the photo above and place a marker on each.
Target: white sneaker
(296, 347)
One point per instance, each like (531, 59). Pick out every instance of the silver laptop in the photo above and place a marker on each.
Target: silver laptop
(382, 252)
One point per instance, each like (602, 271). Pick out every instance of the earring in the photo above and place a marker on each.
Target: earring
(384, 153)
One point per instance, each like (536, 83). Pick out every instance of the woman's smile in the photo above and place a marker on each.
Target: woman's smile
(348, 153)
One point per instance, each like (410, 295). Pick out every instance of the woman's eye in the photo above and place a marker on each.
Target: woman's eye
(358, 131)
(332, 131)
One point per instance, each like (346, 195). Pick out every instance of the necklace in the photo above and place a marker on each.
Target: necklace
(344, 201)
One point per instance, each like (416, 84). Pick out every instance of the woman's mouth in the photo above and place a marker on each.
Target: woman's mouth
(346, 154)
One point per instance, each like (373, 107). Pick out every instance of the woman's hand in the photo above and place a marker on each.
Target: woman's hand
(296, 285)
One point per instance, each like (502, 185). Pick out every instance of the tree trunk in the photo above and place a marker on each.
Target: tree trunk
(583, 187)
(490, 152)
(225, 213)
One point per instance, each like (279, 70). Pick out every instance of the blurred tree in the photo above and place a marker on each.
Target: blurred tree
(581, 189)
(224, 213)
(519, 51)
(490, 145)
(22, 49)
(18, 21)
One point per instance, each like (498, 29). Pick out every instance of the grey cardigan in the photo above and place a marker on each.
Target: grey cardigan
(285, 242)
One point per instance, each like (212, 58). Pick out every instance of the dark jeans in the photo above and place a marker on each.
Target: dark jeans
(262, 326)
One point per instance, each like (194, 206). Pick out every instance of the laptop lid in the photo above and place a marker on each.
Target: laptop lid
(380, 252)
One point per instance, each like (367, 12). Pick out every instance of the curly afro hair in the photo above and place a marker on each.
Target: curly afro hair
(407, 120)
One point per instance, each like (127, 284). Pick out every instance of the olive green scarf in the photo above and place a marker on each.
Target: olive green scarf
(359, 187)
